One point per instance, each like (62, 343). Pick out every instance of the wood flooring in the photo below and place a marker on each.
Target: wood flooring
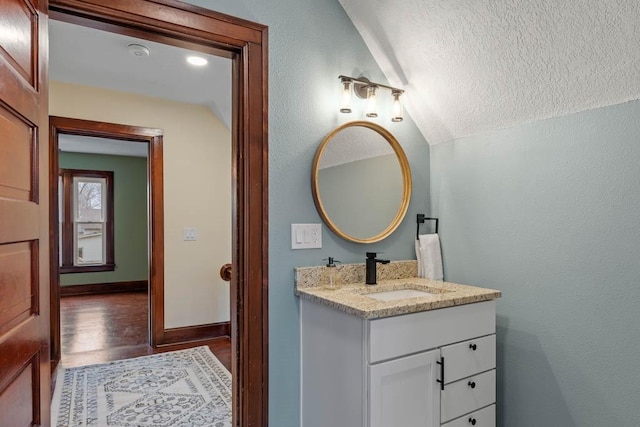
(105, 327)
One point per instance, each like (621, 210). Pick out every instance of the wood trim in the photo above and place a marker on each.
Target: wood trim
(87, 268)
(54, 252)
(104, 288)
(156, 237)
(71, 126)
(134, 134)
(196, 333)
(163, 20)
(246, 43)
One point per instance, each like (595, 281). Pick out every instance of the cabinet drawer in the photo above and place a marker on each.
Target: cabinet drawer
(467, 395)
(392, 337)
(483, 418)
(469, 358)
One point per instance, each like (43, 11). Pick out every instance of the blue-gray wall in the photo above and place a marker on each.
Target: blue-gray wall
(311, 42)
(549, 213)
(363, 197)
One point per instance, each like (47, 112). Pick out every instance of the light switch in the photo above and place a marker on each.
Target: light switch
(190, 234)
(306, 236)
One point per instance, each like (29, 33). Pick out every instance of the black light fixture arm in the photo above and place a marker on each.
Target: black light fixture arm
(366, 82)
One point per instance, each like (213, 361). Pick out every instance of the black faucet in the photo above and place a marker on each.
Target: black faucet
(371, 267)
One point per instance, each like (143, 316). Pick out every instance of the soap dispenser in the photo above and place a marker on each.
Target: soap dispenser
(332, 278)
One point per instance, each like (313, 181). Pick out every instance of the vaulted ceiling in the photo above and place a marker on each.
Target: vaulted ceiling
(472, 66)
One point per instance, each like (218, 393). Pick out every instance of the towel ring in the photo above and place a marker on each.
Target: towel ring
(420, 219)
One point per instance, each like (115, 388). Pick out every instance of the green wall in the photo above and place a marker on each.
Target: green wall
(130, 204)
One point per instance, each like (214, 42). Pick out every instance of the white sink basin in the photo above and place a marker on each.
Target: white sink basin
(400, 294)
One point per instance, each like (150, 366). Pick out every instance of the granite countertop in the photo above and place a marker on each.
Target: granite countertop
(353, 299)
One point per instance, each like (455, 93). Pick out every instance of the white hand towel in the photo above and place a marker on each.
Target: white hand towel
(419, 257)
(431, 256)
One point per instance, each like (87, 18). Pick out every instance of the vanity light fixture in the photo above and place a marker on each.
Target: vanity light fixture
(366, 89)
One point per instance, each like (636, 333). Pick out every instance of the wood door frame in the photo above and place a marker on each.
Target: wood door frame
(245, 43)
(136, 135)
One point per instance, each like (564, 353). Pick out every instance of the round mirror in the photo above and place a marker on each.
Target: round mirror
(361, 182)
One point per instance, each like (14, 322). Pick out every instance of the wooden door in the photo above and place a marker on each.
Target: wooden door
(404, 392)
(24, 224)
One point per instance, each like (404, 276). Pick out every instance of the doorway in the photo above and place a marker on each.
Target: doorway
(183, 25)
(131, 140)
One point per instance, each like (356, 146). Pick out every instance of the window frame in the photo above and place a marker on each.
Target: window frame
(68, 223)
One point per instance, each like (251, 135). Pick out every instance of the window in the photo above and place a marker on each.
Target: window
(86, 221)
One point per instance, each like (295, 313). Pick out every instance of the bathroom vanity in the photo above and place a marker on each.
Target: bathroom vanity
(406, 352)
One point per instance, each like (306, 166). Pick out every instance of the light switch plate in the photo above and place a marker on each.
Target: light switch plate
(306, 236)
(190, 234)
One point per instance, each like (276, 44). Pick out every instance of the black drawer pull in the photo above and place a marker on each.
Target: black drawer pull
(473, 347)
(441, 380)
(472, 384)
(472, 421)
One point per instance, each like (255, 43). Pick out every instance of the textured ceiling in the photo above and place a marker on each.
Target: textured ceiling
(472, 66)
(91, 57)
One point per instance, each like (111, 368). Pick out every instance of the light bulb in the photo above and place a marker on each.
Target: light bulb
(396, 108)
(371, 102)
(345, 105)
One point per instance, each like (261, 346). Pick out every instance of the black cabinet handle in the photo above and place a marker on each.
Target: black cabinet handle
(473, 347)
(472, 421)
(472, 384)
(441, 380)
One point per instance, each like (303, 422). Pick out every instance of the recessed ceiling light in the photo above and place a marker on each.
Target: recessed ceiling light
(197, 61)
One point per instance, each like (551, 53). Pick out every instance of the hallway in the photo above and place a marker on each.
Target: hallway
(106, 327)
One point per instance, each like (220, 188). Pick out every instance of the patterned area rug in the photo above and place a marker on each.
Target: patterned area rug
(183, 388)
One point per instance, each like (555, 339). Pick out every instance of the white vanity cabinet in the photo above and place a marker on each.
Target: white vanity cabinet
(426, 369)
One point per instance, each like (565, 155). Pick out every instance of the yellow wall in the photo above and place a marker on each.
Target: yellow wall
(197, 192)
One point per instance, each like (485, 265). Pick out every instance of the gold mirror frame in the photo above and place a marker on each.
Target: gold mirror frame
(406, 182)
